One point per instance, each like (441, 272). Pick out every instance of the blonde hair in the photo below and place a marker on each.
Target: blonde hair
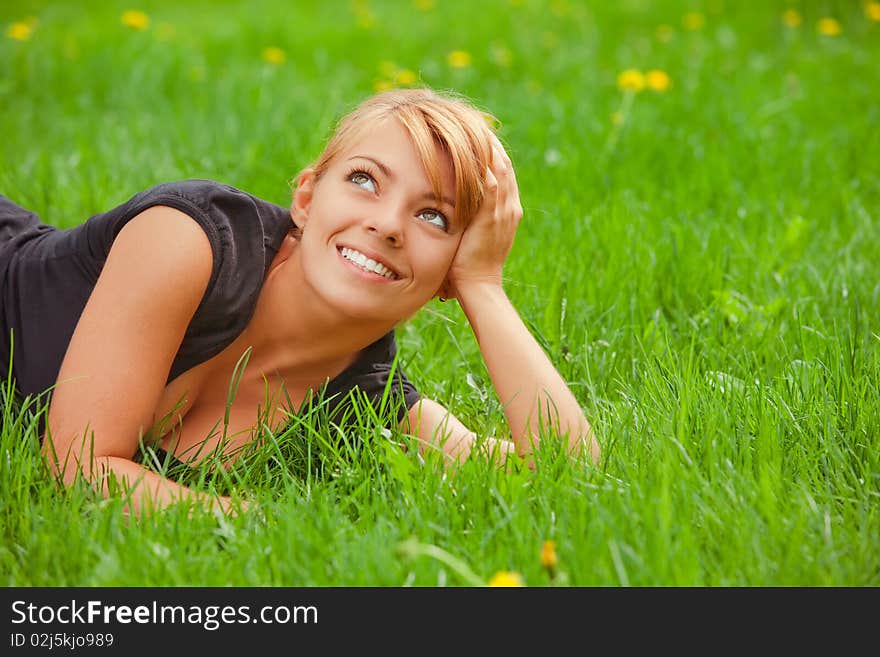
(432, 119)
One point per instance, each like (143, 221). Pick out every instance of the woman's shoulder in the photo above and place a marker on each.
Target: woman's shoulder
(223, 210)
(193, 196)
(232, 207)
(245, 230)
(202, 192)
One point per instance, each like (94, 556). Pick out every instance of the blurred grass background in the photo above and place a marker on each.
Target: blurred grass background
(698, 255)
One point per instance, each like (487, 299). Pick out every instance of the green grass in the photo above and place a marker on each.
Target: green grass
(704, 271)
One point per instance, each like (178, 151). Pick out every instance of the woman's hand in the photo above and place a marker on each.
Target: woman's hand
(487, 240)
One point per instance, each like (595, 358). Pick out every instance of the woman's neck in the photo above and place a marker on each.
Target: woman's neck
(293, 328)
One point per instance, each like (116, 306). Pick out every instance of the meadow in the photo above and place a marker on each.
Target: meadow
(698, 256)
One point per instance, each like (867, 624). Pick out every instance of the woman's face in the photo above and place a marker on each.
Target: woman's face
(376, 242)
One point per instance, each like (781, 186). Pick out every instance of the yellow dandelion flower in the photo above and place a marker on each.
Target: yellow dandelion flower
(791, 17)
(424, 5)
(548, 555)
(135, 19)
(631, 80)
(19, 31)
(664, 33)
(658, 80)
(872, 11)
(506, 578)
(829, 27)
(274, 55)
(459, 59)
(382, 85)
(693, 20)
(405, 77)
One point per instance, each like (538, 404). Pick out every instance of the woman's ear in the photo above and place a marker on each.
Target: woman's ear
(302, 197)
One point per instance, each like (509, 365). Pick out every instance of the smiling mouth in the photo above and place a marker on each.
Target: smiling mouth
(366, 264)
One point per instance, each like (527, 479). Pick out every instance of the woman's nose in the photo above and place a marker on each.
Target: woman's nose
(387, 225)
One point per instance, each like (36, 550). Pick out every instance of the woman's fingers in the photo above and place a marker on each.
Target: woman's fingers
(499, 147)
(503, 165)
(497, 179)
(507, 191)
(490, 195)
(487, 240)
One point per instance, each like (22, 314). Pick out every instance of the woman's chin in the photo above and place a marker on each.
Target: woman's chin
(363, 308)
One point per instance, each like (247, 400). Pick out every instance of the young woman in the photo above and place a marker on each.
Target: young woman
(138, 318)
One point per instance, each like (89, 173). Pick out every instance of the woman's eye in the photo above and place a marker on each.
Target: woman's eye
(364, 180)
(434, 217)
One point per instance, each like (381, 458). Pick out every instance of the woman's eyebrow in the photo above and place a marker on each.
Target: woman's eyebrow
(387, 173)
(385, 170)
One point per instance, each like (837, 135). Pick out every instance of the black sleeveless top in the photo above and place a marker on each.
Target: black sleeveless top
(47, 275)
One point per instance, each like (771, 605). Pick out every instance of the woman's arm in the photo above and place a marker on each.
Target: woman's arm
(121, 351)
(535, 397)
(439, 430)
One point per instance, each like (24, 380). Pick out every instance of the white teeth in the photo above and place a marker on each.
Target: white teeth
(366, 263)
